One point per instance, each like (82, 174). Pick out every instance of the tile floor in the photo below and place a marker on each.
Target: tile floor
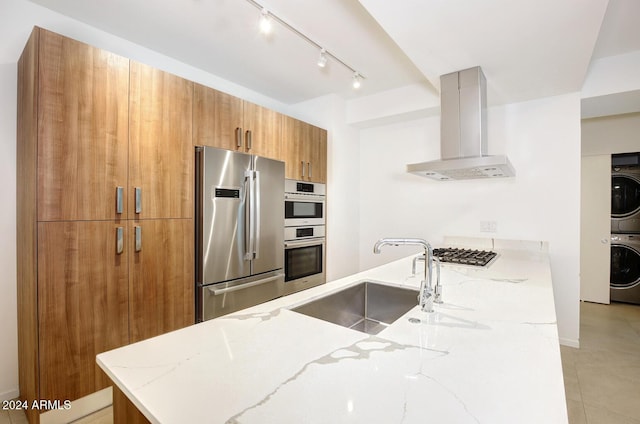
(601, 379)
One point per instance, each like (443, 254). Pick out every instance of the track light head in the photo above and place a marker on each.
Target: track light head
(322, 60)
(265, 22)
(357, 80)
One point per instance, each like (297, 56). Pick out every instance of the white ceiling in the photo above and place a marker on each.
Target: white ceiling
(527, 48)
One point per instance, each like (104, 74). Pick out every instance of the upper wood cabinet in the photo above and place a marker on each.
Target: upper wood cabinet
(160, 151)
(305, 151)
(224, 121)
(82, 129)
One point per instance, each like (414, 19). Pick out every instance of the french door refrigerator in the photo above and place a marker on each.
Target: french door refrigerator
(239, 231)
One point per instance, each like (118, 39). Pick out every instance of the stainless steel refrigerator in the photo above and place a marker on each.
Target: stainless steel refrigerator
(239, 231)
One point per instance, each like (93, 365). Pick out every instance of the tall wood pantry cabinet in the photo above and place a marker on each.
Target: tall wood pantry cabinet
(105, 211)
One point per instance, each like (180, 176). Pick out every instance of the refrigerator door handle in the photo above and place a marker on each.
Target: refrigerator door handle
(217, 292)
(248, 236)
(255, 225)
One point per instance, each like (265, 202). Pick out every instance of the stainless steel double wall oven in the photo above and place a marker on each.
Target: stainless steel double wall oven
(304, 235)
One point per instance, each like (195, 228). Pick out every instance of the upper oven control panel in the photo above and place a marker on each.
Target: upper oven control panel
(303, 187)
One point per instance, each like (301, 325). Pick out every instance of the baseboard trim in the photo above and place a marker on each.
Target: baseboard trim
(10, 394)
(570, 342)
(79, 408)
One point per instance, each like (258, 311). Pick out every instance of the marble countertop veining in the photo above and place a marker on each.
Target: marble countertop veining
(488, 354)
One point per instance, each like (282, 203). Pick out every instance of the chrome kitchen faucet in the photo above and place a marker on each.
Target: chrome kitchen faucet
(427, 295)
(438, 289)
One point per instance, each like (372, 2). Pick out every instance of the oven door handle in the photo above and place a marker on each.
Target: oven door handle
(304, 243)
(217, 292)
(309, 198)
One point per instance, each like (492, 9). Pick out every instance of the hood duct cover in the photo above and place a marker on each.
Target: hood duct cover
(463, 132)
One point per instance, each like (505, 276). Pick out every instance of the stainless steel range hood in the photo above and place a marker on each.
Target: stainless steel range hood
(463, 132)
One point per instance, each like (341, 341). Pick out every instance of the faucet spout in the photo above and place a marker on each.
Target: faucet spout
(427, 295)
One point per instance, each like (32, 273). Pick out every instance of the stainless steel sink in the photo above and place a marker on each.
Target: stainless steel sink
(368, 307)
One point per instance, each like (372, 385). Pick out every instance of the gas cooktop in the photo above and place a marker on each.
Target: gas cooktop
(464, 256)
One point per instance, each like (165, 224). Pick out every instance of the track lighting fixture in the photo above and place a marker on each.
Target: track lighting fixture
(322, 60)
(265, 27)
(265, 21)
(356, 80)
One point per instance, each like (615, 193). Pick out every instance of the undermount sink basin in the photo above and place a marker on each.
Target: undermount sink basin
(368, 307)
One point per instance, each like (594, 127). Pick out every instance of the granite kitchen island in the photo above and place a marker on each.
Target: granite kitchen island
(488, 354)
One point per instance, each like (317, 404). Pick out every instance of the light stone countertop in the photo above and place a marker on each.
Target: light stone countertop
(488, 354)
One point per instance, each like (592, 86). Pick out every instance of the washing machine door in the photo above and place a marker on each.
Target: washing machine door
(625, 195)
(625, 266)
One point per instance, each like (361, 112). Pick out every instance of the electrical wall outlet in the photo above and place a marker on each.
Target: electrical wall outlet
(488, 226)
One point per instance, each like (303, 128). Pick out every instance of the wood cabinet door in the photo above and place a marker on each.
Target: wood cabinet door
(82, 130)
(304, 150)
(318, 155)
(161, 281)
(161, 155)
(262, 131)
(217, 119)
(83, 305)
(294, 151)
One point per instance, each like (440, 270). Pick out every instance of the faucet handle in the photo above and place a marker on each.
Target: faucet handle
(438, 288)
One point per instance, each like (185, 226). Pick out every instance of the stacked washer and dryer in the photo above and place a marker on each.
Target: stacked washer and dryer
(625, 228)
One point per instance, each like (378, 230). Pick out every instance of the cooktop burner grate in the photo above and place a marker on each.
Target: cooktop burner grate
(464, 256)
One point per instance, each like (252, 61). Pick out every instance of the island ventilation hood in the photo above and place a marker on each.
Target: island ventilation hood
(463, 132)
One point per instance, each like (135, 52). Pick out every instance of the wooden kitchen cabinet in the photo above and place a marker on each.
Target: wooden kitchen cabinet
(318, 155)
(82, 134)
(161, 155)
(161, 288)
(265, 130)
(72, 148)
(305, 151)
(90, 122)
(83, 306)
(224, 121)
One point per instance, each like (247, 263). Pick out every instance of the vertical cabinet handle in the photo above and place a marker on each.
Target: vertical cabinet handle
(309, 167)
(119, 194)
(238, 137)
(248, 138)
(138, 238)
(138, 200)
(119, 240)
(302, 165)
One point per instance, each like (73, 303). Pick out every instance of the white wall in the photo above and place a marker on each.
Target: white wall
(611, 134)
(8, 309)
(541, 138)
